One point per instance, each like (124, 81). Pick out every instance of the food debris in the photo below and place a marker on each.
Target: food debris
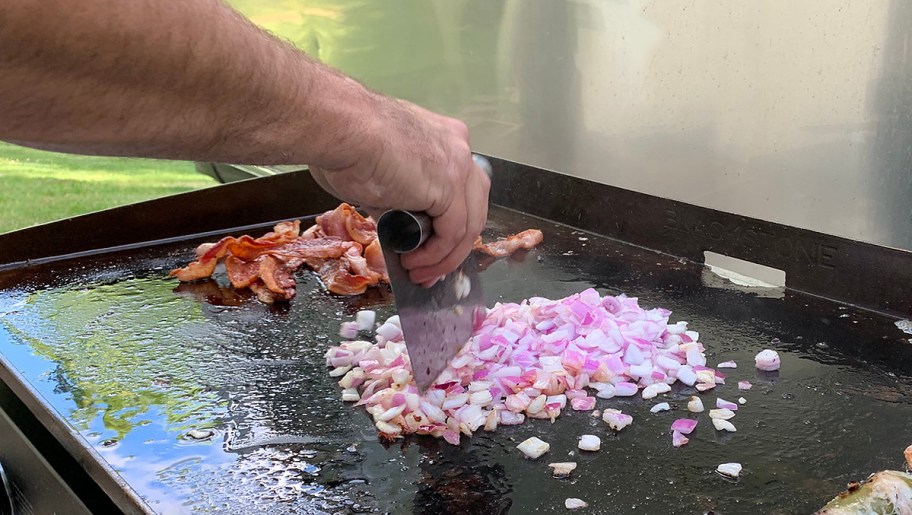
(742, 400)
(615, 419)
(732, 470)
(562, 469)
(590, 443)
(533, 447)
(662, 406)
(767, 360)
(727, 364)
(695, 404)
(745, 385)
(573, 503)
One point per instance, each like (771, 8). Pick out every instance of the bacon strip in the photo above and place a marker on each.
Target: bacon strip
(506, 246)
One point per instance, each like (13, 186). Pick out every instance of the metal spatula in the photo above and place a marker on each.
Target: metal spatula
(436, 321)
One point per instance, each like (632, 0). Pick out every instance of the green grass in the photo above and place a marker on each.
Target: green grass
(38, 187)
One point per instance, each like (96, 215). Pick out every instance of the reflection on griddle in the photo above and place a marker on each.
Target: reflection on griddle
(211, 292)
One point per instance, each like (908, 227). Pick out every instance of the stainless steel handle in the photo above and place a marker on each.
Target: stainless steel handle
(405, 231)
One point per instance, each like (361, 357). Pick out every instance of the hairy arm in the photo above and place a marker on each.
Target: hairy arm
(178, 79)
(193, 79)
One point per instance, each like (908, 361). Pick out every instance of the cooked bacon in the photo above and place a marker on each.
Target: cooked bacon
(342, 247)
(333, 222)
(507, 246)
(277, 277)
(241, 273)
(374, 256)
(337, 278)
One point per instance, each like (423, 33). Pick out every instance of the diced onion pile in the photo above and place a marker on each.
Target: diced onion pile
(528, 360)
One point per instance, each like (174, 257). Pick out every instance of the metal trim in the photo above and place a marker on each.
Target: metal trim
(852, 272)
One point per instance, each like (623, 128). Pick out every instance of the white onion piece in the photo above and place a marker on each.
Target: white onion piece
(533, 447)
(655, 389)
(508, 418)
(350, 395)
(742, 400)
(678, 439)
(745, 385)
(723, 425)
(606, 392)
(767, 360)
(616, 420)
(365, 319)
(695, 405)
(573, 503)
(662, 406)
(721, 413)
(727, 364)
(590, 443)
(562, 469)
(732, 470)
(348, 330)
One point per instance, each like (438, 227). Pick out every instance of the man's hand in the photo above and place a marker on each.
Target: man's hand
(410, 158)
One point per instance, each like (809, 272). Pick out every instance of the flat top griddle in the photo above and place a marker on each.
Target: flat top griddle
(138, 364)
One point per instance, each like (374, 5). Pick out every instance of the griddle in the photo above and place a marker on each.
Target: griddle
(152, 396)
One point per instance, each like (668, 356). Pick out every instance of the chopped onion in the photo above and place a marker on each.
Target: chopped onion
(625, 389)
(742, 400)
(745, 385)
(908, 455)
(563, 468)
(727, 364)
(721, 413)
(732, 470)
(678, 439)
(573, 503)
(365, 319)
(767, 360)
(348, 330)
(590, 443)
(695, 404)
(616, 420)
(583, 403)
(533, 447)
(722, 403)
(524, 361)
(684, 425)
(723, 425)
(662, 406)
(655, 389)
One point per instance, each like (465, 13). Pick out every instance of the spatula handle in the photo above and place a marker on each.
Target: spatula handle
(405, 231)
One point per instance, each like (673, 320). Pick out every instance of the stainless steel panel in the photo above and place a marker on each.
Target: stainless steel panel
(798, 113)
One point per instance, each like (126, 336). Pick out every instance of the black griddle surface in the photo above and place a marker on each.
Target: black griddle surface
(134, 362)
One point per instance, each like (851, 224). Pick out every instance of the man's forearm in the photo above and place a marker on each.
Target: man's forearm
(147, 79)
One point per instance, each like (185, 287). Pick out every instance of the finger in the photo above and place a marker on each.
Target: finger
(477, 190)
(449, 231)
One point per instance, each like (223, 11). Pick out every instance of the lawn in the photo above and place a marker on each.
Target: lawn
(38, 187)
